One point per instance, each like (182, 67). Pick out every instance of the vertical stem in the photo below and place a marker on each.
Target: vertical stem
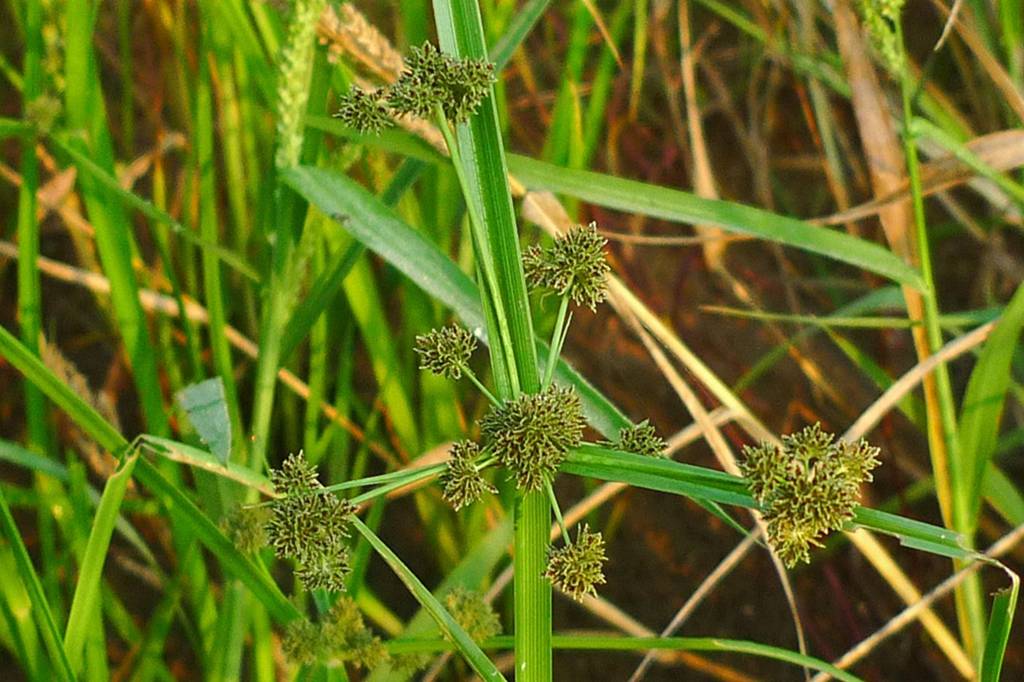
(557, 338)
(970, 605)
(480, 248)
(532, 591)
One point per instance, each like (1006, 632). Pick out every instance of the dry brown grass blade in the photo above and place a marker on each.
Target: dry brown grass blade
(964, 23)
(906, 383)
(724, 567)
(1002, 151)
(602, 28)
(703, 177)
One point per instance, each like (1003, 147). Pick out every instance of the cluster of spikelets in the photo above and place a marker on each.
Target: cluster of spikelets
(431, 80)
(446, 351)
(531, 435)
(578, 568)
(342, 635)
(640, 439)
(807, 487)
(303, 522)
(574, 266)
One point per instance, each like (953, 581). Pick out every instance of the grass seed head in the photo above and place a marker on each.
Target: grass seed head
(472, 613)
(574, 266)
(365, 111)
(341, 636)
(303, 642)
(309, 525)
(578, 568)
(640, 439)
(446, 351)
(347, 638)
(462, 482)
(432, 78)
(532, 434)
(807, 487)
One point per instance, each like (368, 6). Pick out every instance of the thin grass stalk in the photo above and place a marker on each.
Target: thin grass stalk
(208, 225)
(970, 604)
(40, 608)
(30, 294)
(294, 74)
(86, 112)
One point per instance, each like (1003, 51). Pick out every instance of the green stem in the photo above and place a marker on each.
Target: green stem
(969, 601)
(558, 511)
(557, 339)
(478, 230)
(471, 375)
(532, 591)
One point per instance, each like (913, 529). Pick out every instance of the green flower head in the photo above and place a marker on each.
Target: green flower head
(576, 569)
(433, 78)
(640, 439)
(574, 266)
(341, 636)
(367, 112)
(446, 351)
(462, 482)
(807, 487)
(309, 525)
(472, 613)
(532, 434)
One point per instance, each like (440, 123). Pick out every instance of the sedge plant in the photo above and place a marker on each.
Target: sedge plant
(319, 511)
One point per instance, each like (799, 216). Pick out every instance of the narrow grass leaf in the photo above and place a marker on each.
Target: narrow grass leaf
(40, 607)
(87, 589)
(982, 406)
(692, 481)
(1003, 607)
(632, 196)
(207, 461)
(522, 23)
(476, 658)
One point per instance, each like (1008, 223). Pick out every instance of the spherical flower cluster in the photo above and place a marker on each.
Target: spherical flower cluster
(461, 481)
(577, 568)
(309, 525)
(472, 613)
(365, 111)
(341, 636)
(640, 439)
(807, 487)
(431, 79)
(446, 351)
(533, 433)
(574, 266)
